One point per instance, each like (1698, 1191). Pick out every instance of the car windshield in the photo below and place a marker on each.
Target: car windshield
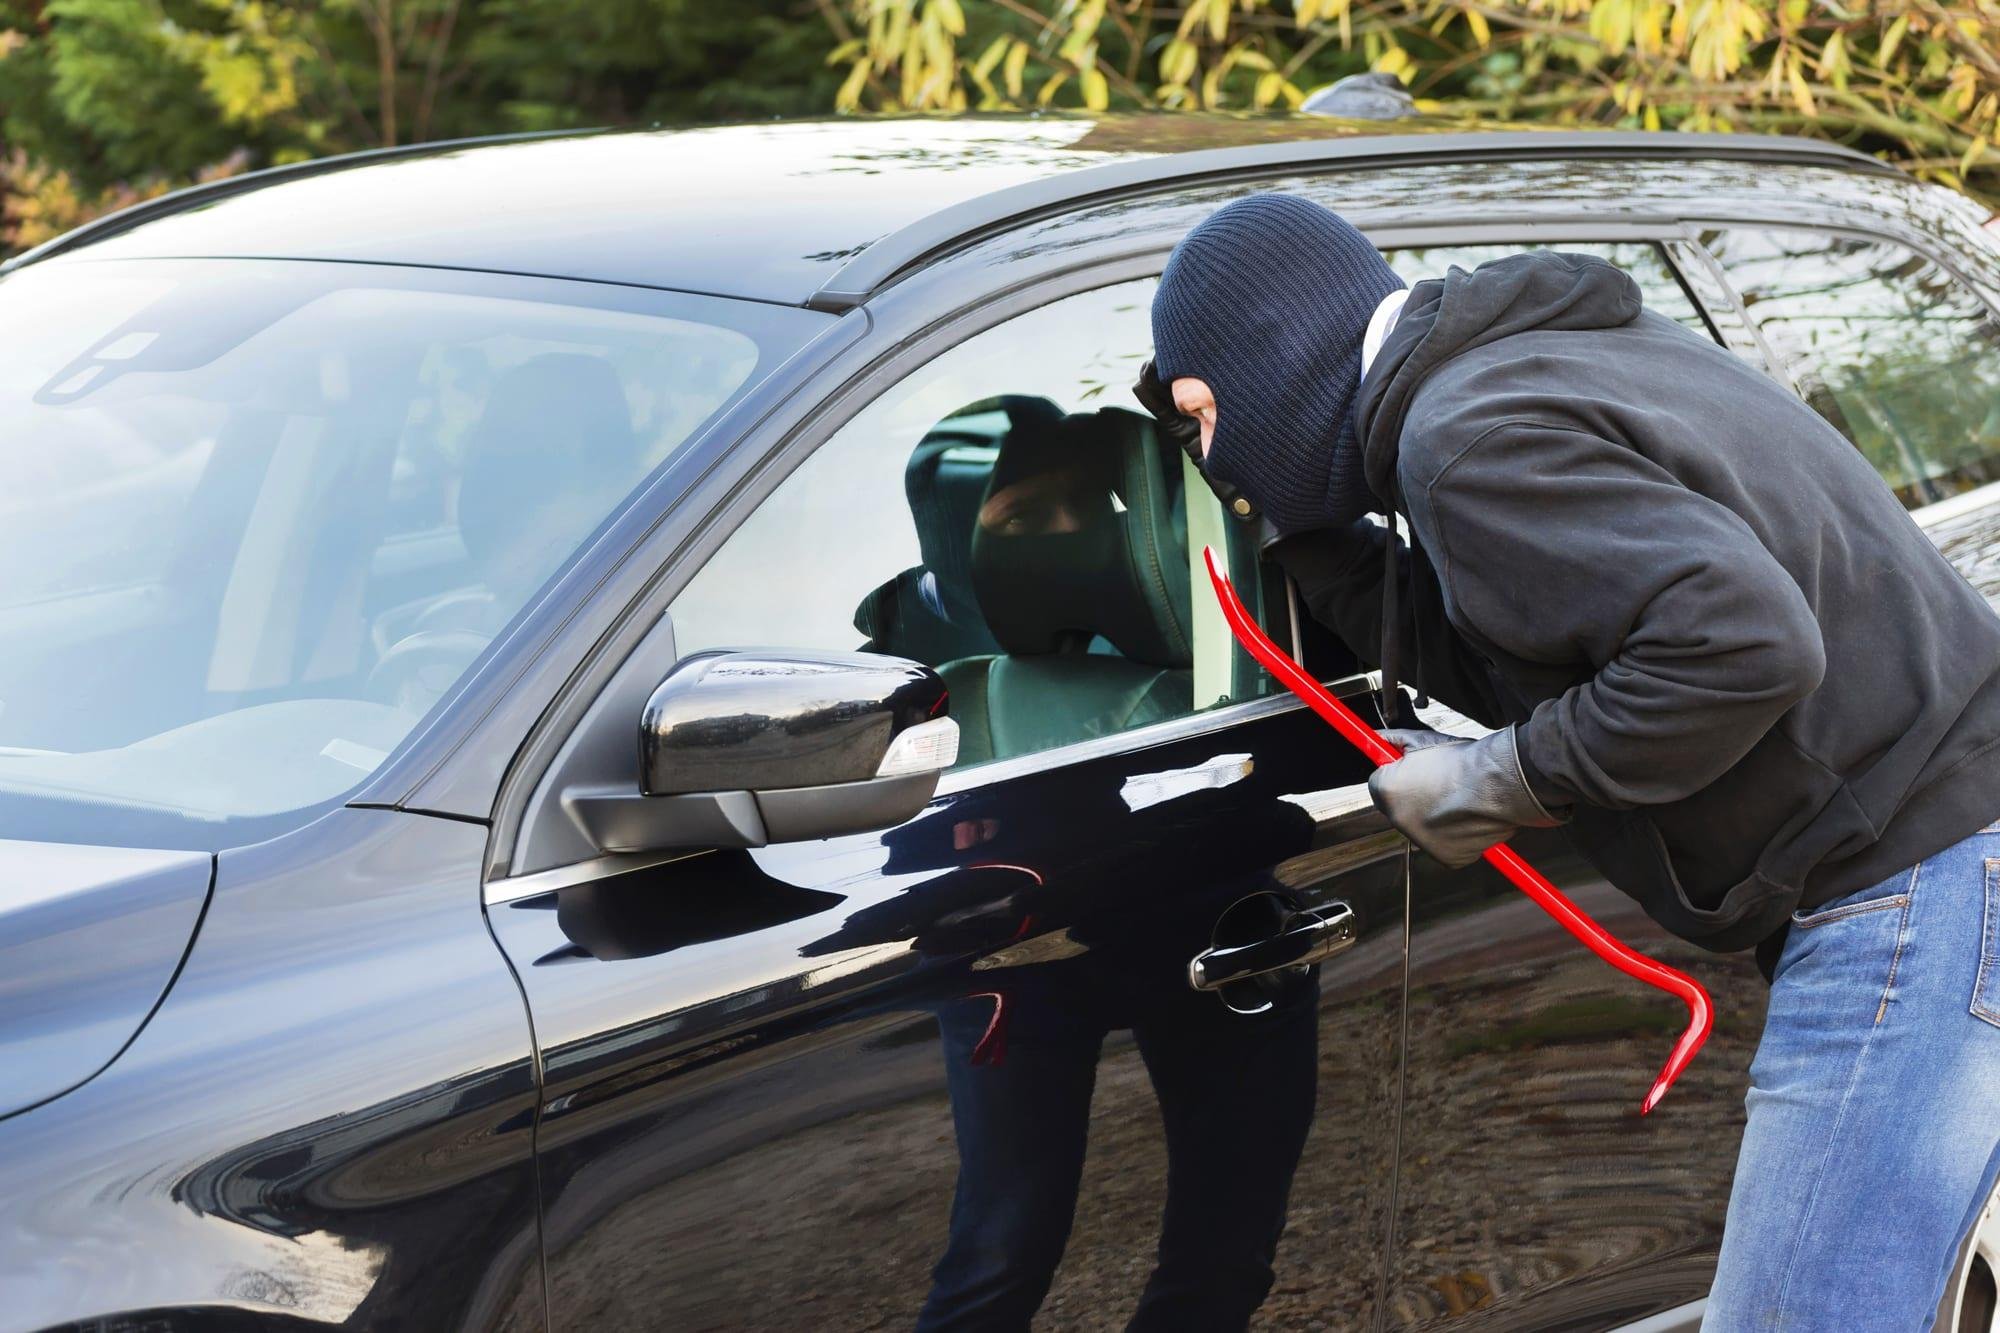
(258, 517)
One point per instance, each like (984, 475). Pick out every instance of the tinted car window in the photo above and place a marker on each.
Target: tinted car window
(1885, 344)
(1658, 287)
(1007, 515)
(257, 517)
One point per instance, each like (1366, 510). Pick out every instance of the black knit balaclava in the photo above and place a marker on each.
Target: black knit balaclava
(1267, 300)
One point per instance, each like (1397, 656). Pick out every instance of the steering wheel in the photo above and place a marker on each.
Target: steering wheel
(420, 667)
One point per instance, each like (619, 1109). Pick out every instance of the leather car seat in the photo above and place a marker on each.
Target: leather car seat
(1079, 540)
(929, 613)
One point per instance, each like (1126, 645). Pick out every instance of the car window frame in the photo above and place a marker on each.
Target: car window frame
(537, 772)
(1917, 243)
(834, 397)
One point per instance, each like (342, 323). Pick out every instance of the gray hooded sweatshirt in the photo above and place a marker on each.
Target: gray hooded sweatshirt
(1722, 637)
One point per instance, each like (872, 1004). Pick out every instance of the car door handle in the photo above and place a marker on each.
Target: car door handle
(1307, 936)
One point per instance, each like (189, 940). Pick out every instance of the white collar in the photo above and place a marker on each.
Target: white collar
(1379, 325)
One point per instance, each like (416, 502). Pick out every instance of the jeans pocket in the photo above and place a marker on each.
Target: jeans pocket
(1889, 893)
(1986, 987)
(1853, 946)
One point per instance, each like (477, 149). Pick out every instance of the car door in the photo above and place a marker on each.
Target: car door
(953, 1072)
(1530, 1193)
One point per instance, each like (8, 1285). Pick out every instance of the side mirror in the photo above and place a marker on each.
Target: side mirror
(741, 749)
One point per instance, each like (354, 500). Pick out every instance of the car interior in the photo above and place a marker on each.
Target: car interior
(1054, 593)
(306, 527)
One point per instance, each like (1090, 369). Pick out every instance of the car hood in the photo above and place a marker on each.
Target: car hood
(90, 938)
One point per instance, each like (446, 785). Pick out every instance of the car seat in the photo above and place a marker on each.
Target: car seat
(929, 613)
(1080, 539)
(551, 455)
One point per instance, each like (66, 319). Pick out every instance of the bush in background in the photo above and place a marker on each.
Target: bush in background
(103, 102)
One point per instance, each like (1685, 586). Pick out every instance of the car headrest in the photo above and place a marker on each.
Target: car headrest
(555, 430)
(1076, 537)
(944, 497)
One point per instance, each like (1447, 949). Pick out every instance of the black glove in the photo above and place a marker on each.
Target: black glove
(1318, 558)
(1453, 797)
(1157, 397)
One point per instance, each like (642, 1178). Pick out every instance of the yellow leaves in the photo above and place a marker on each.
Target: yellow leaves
(1802, 96)
(1017, 61)
(1889, 69)
(1648, 27)
(1973, 152)
(1611, 23)
(1395, 60)
(848, 98)
(1833, 65)
(1213, 13)
(916, 41)
(1721, 33)
(1892, 37)
(1961, 89)
(1211, 87)
(11, 40)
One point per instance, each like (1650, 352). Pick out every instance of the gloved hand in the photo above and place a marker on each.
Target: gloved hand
(1319, 557)
(1157, 397)
(1454, 797)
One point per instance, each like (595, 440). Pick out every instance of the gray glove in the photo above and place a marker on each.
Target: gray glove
(1453, 797)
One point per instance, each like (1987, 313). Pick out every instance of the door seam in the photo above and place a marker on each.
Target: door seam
(1389, 1247)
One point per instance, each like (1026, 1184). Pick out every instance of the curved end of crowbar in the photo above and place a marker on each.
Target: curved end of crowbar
(1701, 1017)
(1701, 1012)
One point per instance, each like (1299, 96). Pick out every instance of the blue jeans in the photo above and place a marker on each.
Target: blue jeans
(1874, 1105)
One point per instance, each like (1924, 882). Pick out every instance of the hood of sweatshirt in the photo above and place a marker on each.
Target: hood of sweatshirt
(1539, 289)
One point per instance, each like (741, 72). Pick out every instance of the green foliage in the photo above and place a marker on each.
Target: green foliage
(103, 101)
(106, 101)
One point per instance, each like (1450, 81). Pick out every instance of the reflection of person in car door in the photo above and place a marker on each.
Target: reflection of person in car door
(1022, 1042)
(1079, 570)
(1715, 647)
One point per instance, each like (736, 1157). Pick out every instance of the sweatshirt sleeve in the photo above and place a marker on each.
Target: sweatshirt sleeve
(1339, 577)
(1559, 546)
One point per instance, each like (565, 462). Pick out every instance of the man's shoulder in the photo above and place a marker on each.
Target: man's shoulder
(1466, 402)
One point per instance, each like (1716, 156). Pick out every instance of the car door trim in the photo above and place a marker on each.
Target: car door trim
(507, 888)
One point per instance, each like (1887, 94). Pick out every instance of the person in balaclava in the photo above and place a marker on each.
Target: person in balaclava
(1712, 645)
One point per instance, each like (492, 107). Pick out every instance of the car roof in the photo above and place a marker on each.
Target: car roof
(802, 212)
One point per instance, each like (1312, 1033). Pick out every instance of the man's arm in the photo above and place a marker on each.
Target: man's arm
(1339, 574)
(1559, 546)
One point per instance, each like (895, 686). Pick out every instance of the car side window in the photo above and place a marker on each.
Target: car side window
(1007, 515)
(1645, 261)
(1884, 343)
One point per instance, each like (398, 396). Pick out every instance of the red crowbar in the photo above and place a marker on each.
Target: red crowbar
(1701, 1014)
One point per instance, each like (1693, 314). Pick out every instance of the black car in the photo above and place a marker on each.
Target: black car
(486, 630)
